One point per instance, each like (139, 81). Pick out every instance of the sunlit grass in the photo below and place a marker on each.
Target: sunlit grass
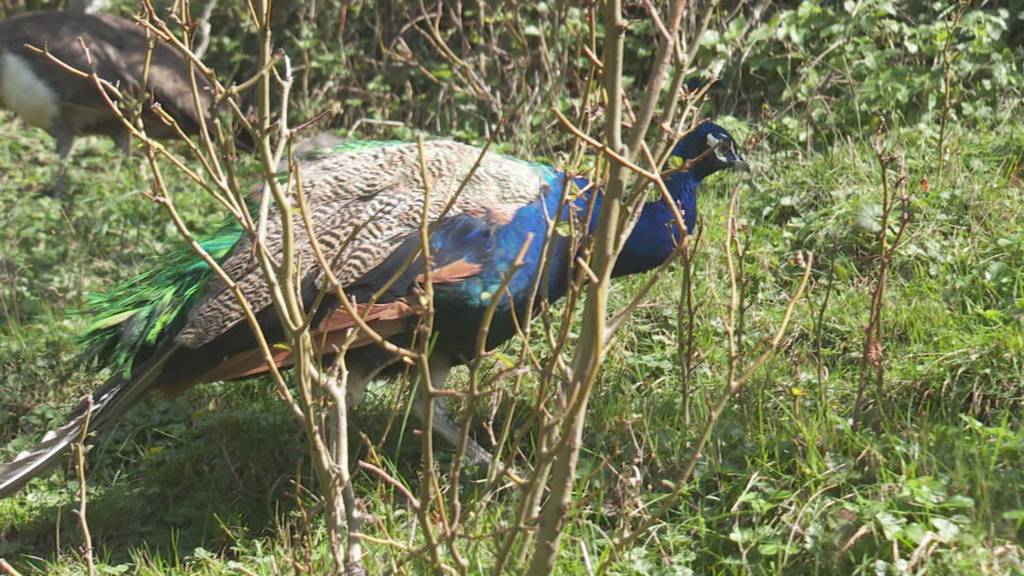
(205, 484)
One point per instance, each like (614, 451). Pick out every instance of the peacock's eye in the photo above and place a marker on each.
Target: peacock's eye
(723, 148)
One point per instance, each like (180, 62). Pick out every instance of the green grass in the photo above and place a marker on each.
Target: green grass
(205, 484)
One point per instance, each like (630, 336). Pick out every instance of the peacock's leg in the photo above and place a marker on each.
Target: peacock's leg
(443, 426)
(65, 143)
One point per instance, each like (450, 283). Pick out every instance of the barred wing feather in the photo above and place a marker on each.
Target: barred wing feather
(362, 204)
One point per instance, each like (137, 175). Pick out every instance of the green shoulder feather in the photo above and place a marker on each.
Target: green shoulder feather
(131, 317)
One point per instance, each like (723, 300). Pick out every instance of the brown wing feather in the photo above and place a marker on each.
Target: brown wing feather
(452, 272)
(386, 319)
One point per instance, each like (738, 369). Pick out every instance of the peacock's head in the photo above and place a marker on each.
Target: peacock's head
(708, 149)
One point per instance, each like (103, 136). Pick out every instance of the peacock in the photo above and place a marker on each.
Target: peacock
(48, 96)
(179, 325)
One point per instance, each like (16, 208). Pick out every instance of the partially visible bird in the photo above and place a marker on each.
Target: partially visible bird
(179, 325)
(66, 105)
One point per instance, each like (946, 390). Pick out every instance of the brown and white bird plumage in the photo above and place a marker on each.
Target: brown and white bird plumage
(45, 94)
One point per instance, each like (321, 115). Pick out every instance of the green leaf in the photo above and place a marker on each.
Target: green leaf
(947, 530)
(1014, 515)
(891, 525)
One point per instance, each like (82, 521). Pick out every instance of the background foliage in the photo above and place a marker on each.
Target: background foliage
(205, 483)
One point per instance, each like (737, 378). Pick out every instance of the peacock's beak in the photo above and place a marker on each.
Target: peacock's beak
(739, 163)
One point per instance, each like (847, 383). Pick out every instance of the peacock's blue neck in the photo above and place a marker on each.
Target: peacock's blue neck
(495, 249)
(651, 242)
(656, 233)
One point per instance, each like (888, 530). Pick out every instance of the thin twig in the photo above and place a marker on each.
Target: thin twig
(8, 569)
(83, 524)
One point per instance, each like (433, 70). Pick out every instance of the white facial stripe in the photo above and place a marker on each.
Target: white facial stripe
(721, 146)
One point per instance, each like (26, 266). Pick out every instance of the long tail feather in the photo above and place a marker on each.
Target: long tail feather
(109, 403)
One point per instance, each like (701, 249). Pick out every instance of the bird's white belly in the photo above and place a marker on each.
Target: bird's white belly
(24, 93)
